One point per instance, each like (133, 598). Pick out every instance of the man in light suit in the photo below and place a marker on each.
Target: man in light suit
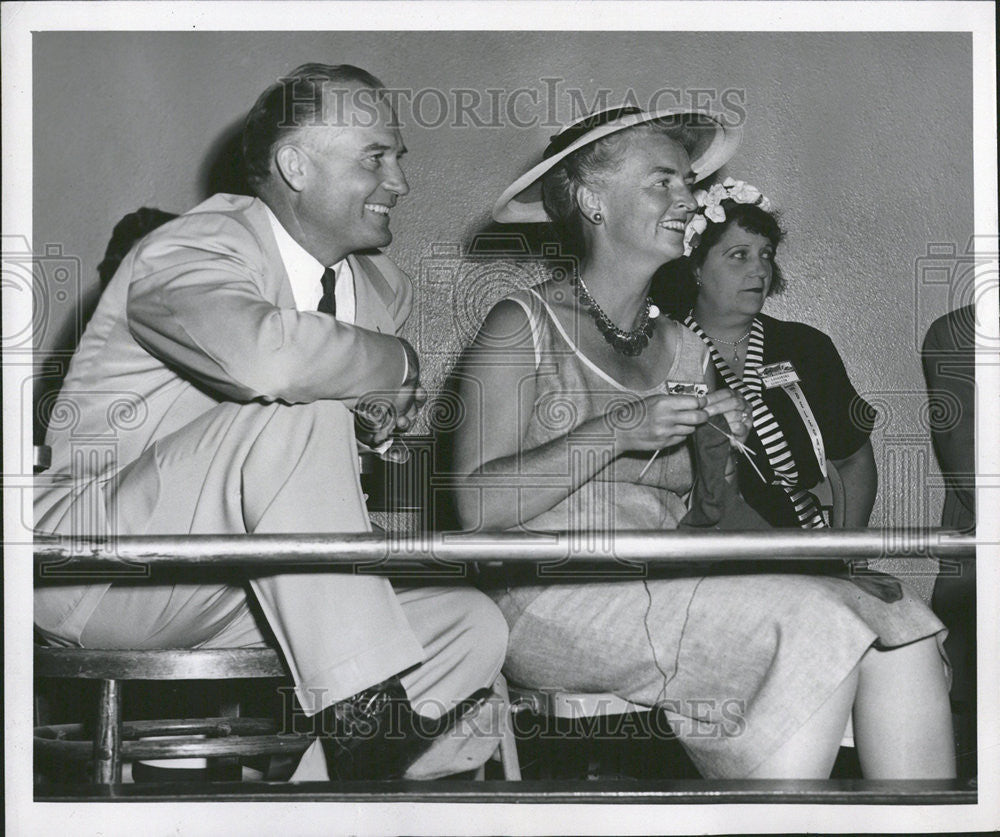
(209, 395)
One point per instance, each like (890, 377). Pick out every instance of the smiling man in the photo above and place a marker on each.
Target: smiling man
(238, 358)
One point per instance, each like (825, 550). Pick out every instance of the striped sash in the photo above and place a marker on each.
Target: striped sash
(779, 455)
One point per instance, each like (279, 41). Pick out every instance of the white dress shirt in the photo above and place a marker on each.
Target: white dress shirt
(305, 274)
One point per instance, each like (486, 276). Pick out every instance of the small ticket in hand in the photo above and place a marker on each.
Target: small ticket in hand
(679, 388)
(699, 390)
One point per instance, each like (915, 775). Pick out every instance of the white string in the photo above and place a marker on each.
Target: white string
(739, 446)
(647, 466)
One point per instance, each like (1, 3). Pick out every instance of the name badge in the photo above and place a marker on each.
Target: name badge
(782, 374)
(678, 388)
(778, 374)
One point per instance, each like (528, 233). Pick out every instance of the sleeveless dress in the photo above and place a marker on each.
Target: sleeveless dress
(737, 663)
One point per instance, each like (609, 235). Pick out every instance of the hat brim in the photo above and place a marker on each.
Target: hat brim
(716, 143)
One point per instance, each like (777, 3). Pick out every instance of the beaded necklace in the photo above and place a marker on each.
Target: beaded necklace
(629, 343)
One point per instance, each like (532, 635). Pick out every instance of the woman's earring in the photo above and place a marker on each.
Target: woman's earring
(598, 217)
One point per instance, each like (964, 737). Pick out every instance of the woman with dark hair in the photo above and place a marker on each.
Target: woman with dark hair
(580, 405)
(805, 409)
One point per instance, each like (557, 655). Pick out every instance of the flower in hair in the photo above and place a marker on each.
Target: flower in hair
(710, 207)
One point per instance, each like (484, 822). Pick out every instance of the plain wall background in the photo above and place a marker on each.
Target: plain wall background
(863, 140)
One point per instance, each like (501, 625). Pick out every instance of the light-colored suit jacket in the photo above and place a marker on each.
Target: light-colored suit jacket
(199, 313)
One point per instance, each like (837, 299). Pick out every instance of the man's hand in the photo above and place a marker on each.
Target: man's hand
(379, 415)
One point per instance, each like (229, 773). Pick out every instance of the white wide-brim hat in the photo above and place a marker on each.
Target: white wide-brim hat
(715, 144)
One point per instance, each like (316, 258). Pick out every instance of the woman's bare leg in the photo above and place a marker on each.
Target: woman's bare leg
(902, 721)
(902, 718)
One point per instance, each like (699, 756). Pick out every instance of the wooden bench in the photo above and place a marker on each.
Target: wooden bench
(111, 741)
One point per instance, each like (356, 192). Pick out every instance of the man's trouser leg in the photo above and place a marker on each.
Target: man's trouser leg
(272, 469)
(276, 468)
(463, 635)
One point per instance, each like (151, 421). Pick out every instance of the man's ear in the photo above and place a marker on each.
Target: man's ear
(292, 166)
(590, 204)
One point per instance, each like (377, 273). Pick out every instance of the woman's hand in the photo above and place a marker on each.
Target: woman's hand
(658, 421)
(733, 406)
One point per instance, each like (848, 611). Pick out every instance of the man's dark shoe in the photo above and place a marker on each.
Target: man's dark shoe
(376, 734)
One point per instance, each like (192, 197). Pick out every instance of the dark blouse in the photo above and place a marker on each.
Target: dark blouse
(844, 417)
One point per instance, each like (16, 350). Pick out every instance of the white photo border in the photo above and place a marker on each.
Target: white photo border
(25, 816)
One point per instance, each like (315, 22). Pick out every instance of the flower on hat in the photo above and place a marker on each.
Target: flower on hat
(710, 207)
(692, 232)
(715, 212)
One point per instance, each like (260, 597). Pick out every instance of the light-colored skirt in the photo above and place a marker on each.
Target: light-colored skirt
(738, 663)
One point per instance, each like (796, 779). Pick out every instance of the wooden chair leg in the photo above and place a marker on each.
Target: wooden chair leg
(42, 711)
(226, 768)
(43, 716)
(108, 734)
(508, 742)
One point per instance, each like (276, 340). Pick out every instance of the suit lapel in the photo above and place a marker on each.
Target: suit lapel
(372, 294)
(276, 283)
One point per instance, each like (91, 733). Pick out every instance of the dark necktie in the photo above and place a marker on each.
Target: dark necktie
(328, 302)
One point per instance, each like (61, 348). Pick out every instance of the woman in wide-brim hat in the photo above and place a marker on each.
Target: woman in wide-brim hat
(580, 407)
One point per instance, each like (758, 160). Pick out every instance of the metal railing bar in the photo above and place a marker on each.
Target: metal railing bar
(334, 551)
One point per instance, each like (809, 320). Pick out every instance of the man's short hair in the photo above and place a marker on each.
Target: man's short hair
(292, 102)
